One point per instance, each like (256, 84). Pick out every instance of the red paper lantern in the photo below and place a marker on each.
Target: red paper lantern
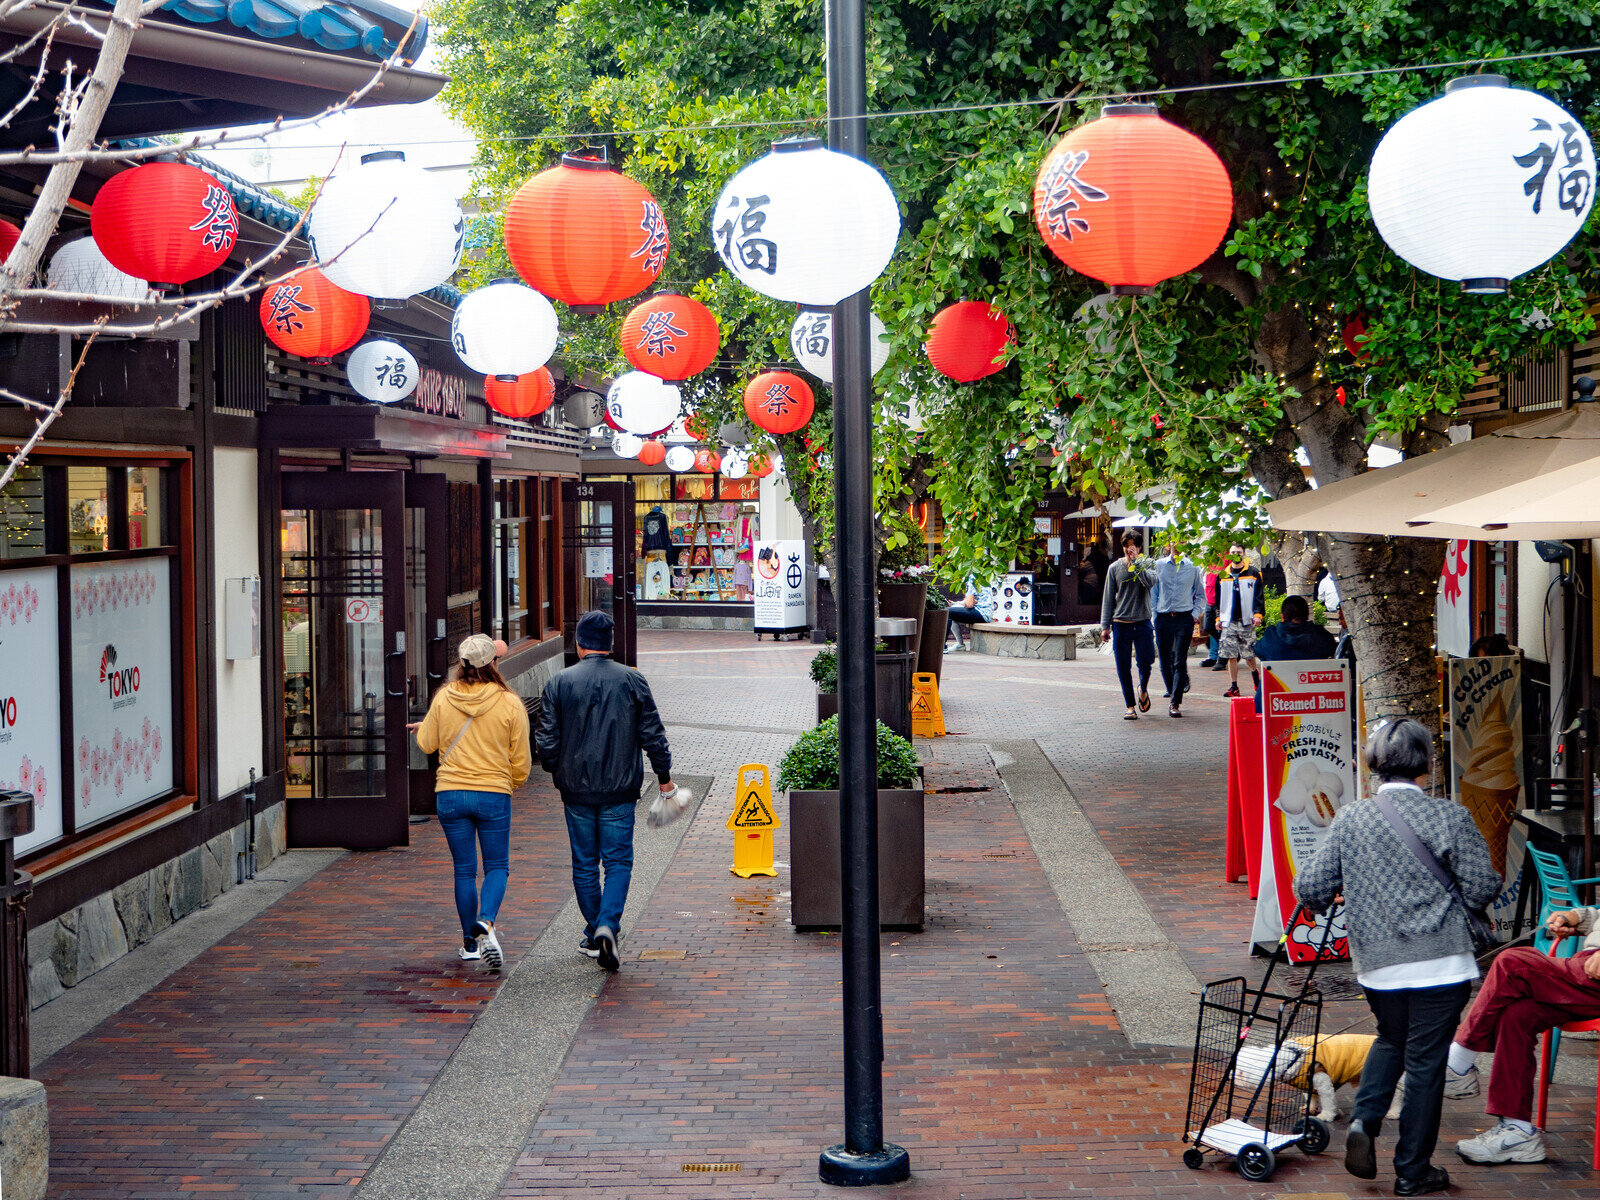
(671, 337)
(652, 454)
(525, 396)
(779, 401)
(584, 234)
(695, 428)
(309, 316)
(760, 466)
(164, 222)
(1109, 202)
(9, 234)
(965, 339)
(1354, 335)
(707, 461)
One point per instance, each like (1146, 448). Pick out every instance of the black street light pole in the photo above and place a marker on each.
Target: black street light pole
(863, 1158)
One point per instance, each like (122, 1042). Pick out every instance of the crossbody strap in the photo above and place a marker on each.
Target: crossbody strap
(1418, 847)
(457, 740)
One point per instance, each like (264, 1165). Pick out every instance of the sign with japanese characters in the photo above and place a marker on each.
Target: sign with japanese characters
(1308, 743)
(780, 587)
(30, 699)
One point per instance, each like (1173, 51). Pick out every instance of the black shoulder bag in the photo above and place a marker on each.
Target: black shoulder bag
(1483, 938)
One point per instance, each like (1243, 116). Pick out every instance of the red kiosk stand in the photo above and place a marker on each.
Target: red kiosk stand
(1246, 790)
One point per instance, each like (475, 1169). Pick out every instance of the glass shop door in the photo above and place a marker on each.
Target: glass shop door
(344, 658)
(597, 559)
(428, 653)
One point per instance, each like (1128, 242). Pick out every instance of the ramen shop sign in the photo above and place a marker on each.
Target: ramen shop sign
(439, 394)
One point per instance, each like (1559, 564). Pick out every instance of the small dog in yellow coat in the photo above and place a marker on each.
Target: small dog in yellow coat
(1322, 1068)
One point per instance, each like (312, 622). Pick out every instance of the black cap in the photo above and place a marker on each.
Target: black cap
(594, 631)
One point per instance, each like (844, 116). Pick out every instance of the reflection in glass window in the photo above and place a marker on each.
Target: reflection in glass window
(88, 518)
(144, 507)
(22, 514)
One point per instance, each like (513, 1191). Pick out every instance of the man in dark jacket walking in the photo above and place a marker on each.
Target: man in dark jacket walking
(595, 718)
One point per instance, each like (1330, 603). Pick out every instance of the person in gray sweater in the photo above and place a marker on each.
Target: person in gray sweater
(1125, 619)
(1409, 943)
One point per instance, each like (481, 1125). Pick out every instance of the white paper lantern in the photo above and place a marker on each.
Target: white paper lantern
(626, 445)
(811, 338)
(642, 403)
(806, 224)
(680, 458)
(584, 409)
(1483, 184)
(382, 371)
(504, 330)
(386, 228)
(735, 463)
(79, 267)
(777, 464)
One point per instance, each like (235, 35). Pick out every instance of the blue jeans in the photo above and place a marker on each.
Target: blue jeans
(469, 818)
(601, 834)
(1130, 639)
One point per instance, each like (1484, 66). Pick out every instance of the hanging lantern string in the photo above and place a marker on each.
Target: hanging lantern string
(940, 110)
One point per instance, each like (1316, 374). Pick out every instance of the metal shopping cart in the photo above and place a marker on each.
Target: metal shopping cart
(1248, 1093)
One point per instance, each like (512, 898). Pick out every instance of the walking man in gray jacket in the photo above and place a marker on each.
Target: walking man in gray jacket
(1125, 618)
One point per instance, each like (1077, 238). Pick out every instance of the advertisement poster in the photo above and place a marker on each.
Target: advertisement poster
(1308, 742)
(1013, 600)
(121, 685)
(1452, 607)
(1486, 763)
(30, 699)
(780, 587)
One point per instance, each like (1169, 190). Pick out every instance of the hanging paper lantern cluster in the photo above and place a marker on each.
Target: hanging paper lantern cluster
(811, 338)
(652, 454)
(966, 339)
(779, 401)
(382, 371)
(586, 234)
(386, 228)
(806, 224)
(679, 458)
(80, 268)
(1109, 204)
(523, 397)
(504, 330)
(309, 316)
(671, 337)
(626, 445)
(1483, 184)
(165, 222)
(642, 404)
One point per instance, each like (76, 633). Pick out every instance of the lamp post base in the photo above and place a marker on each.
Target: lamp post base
(841, 1167)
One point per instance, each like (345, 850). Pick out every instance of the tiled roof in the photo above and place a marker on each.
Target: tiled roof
(368, 26)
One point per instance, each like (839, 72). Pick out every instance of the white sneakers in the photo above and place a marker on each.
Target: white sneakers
(1462, 1084)
(489, 946)
(1505, 1143)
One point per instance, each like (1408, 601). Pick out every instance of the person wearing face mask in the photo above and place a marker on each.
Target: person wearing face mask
(1241, 607)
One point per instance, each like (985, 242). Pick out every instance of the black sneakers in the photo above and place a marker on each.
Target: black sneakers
(1361, 1156)
(1436, 1180)
(605, 943)
(587, 948)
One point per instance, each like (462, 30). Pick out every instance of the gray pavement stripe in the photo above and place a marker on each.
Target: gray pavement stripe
(463, 1138)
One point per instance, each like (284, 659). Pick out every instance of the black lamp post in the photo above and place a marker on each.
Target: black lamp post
(864, 1158)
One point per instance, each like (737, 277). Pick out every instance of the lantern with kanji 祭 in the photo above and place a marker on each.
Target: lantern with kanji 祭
(966, 339)
(652, 454)
(1132, 199)
(520, 398)
(307, 315)
(585, 234)
(779, 401)
(707, 461)
(165, 222)
(671, 337)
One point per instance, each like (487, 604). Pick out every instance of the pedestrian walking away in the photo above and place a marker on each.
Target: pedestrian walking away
(1241, 607)
(479, 728)
(1125, 619)
(596, 717)
(1410, 942)
(1180, 604)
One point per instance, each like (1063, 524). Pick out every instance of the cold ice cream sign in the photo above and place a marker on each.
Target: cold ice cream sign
(1486, 763)
(1308, 742)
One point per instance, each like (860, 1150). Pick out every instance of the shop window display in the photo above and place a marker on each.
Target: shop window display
(695, 537)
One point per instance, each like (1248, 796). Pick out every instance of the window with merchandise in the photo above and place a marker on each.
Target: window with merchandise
(694, 537)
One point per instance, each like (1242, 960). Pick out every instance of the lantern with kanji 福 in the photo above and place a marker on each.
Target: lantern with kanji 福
(520, 398)
(779, 401)
(642, 404)
(811, 338)
(671, 337)
(966, 340)
(679, 458)
(806, 224)
(386, 228)
(1483, 184)
(504, 330)
(382, 371)
(652, 454)
(626, 445)
(1107, 204)
(309, 316)
(166, 222)
(585, 234)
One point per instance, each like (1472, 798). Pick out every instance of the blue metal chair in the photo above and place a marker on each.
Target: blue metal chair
(1560, 893)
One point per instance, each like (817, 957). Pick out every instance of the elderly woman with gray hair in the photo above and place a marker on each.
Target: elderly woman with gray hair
(1409, 941)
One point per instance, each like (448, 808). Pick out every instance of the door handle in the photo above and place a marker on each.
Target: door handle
(387, 674)
(433, 676)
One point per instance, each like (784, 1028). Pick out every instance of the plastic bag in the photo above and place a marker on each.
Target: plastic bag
(665, 809)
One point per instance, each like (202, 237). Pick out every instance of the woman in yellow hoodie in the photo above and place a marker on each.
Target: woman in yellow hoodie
(480, 728)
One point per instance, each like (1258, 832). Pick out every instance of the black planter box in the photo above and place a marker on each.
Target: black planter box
(894, 695)
(814, 858)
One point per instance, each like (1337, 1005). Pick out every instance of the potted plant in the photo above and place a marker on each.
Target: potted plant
(825, 674)
(809, 772)
(935, 628)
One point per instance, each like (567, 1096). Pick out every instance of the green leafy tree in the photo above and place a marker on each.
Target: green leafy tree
(1220, 376)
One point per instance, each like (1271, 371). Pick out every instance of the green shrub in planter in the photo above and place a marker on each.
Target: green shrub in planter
(1273, 603)
(812, 763)
(825, 669)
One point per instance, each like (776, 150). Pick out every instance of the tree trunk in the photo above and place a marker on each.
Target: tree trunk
(1300, 559)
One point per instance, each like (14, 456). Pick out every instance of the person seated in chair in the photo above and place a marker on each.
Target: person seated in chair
(1526, 993)
(976, 607)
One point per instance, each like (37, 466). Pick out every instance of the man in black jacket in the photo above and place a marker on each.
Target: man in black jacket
(596, 717)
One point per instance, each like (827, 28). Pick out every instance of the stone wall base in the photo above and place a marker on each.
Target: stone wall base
(1055, 643)
(24, 1139)
(70, 948)
(735, 624)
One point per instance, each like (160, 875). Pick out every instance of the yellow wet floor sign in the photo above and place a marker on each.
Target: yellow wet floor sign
(927, 718)
(752, 822)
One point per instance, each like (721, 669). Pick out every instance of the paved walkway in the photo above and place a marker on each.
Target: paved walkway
(334, 1045)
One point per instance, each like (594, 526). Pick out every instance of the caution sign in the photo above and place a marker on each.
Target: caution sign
(752, 822)
(927, 716)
